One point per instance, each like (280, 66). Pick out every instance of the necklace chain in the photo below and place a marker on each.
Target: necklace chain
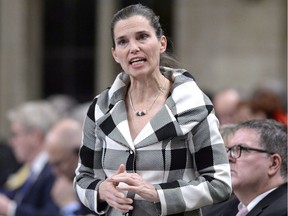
(144, 112)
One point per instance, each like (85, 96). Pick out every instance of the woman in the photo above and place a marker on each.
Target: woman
(151, 144)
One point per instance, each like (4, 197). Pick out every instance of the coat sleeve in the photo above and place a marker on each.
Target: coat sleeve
(210, 164)
(89, 173)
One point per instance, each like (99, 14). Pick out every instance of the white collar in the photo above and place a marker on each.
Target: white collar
(39, 163)
(256, 200)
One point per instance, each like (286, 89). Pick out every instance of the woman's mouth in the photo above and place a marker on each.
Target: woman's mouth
(136, 61)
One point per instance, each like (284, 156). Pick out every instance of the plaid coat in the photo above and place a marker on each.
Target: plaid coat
(180, 150)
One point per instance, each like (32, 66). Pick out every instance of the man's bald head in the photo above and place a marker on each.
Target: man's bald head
(62, 144)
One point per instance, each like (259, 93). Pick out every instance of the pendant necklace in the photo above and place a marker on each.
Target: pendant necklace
(144, 112)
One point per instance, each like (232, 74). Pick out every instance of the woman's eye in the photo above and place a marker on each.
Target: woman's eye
(143, 36)
(121, 42)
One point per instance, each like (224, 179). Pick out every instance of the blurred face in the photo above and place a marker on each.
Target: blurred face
(22, 142)
(137, 49)
(63, 160)
(225, 104)
(250, 171)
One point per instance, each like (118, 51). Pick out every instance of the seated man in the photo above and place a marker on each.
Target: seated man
(29, 124)
(62, 144)
(257, 154)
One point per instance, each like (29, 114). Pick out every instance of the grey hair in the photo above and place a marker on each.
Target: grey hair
(227, 131)
(35, 115)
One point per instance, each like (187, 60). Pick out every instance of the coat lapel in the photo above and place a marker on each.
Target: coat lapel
(271, 197)
(114, 124)
(176, 118)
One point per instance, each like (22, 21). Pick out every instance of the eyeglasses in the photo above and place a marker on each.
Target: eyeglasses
(236, 150)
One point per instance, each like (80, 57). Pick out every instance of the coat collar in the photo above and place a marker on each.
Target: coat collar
(184, 108)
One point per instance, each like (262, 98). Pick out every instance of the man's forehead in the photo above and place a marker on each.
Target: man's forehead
(246, 136)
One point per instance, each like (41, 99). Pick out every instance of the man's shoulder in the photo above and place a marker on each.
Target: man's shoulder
(275, 203)
(228, 207)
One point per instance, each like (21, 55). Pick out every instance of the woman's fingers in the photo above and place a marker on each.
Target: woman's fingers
(115, 197)
(122, 204)
(121, 169)
(135, 183)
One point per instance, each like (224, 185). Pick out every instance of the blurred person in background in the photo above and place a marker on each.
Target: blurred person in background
(8, 162)
(63, 104)
(225, 103)
(29, 124)
(244, 112)
(279, 88)
(227, 131)
(266, 102)
(62, 144)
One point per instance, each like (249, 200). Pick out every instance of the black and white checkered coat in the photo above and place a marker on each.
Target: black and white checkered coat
(180, 150)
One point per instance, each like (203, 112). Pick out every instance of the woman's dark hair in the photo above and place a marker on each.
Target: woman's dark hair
(139, 9)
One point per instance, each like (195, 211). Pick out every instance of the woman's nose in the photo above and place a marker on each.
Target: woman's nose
(134, 48)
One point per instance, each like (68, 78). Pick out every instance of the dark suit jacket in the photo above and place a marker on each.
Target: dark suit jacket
(37, 201)
(8, 162)
(227, 208)
(84, 211)
(274, 204)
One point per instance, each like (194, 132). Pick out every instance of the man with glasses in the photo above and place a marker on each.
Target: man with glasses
(258, 160)
(257, 154)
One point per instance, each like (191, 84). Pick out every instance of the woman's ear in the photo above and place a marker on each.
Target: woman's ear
(275, 165)
(163, 44)
(114, 55)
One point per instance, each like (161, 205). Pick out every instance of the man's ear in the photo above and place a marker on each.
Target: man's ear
(114, 55)
(275, 164)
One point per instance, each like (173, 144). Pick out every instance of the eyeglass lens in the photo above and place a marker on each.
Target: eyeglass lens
(235, 151)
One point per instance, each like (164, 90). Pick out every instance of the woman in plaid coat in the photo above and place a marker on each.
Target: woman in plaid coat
(151, 144)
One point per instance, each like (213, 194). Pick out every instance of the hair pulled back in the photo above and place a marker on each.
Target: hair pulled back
(141, 10)
(134, 10)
